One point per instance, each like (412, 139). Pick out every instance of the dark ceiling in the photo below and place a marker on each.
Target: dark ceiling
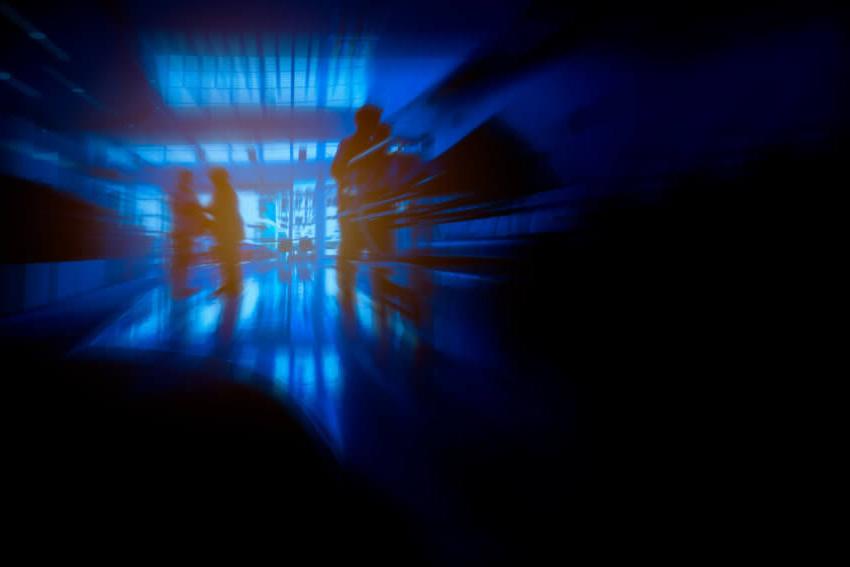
(78, 65)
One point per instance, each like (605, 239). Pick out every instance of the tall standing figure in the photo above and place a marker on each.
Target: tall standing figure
(369, 132)
(188, 223)
(227, 230)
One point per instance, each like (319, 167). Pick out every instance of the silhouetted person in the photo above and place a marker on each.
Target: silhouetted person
(188, 222)
(227, 229)
(369, 132)
(379, 229)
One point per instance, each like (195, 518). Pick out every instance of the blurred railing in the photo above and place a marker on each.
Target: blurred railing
(427, 215)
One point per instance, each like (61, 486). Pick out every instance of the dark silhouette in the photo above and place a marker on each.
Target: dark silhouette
(188, 222)
(227, 229)
(351, 178)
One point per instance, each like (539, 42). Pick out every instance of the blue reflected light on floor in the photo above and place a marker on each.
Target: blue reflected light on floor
(281, 333)
(281, 372)
(250, 297)
(299, 332)
(365, 310)
(206, 321)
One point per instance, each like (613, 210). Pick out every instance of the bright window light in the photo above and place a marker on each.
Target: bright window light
(216, 153)
(330, 149)
(286, 75)
(239, 152)
(151, 154)
(180, 154)
(279, 151)
(309, 149)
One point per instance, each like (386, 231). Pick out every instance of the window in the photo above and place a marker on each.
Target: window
(151, 154)
(150, 209)
(330, 149)
(246, 80)
(307, 148)
(279, 151)
(281, 72)
(249, 210)
(241, 153)
(303, 219)
(192, 80)
(331, 213)
(348, 73)
(216, 153)
(180, 154)
(306, 68)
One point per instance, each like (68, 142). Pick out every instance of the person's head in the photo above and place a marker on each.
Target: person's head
(219, 176)
(367, 118)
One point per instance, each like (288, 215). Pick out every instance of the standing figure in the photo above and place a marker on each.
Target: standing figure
(227, 230)
(369, 132)
(188, 222)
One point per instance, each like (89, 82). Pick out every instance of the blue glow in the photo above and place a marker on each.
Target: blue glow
(190, 80)
(250, 297)
(306, 67)
(309, 149)
(180, 154)
(331, 288)
(206, 320)
(249, 210)
(363, 308)
(125, 332)
(330, 149)
(347, 83)
(149, 209)
(279, 151)
(283, 73)
(278, 80)
(151, 154)
(332, 371)
(280, 374)
(216, 153)
(119, 156)
(239, 152)
(331, 213)
(303, 192)
(305, 375)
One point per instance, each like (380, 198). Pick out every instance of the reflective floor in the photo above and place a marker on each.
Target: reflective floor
(398, 367)
(288, 332)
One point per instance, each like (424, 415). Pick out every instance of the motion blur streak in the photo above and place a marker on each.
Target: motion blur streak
(452, 283)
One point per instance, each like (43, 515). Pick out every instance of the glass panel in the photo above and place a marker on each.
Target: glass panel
(330, 149)
(151, 154)
(216, 153)
(303, 219)
(239, 152)
(276, 151)
(309, 150)
(180, 154)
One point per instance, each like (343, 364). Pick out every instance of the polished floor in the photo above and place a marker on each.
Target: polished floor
(292, 332)
(401, 369)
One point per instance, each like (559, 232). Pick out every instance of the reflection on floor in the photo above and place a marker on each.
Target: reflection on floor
(284, 332)
(396, 365)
